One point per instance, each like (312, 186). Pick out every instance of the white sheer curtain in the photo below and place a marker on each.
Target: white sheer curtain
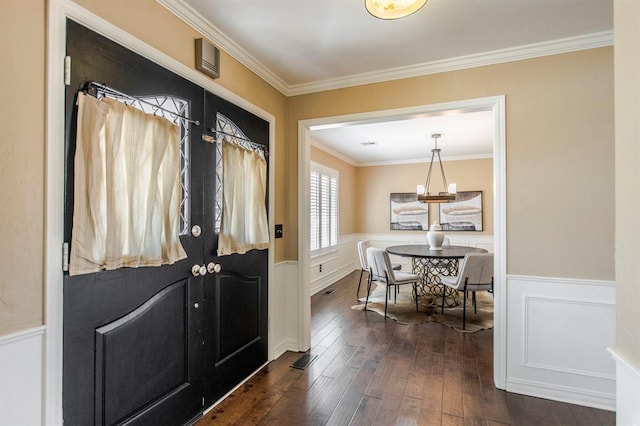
(244, 215)
(126, 188)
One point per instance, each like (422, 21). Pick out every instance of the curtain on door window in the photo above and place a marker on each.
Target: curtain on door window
(244, 224)
(126, 188)
(323, 208)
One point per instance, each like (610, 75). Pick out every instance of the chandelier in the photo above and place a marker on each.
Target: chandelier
(393, 9)
(423, 191)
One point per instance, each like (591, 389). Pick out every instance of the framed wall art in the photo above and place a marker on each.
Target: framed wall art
(463, 214)
(407, 213)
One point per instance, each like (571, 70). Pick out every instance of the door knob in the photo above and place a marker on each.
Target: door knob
(213, 268)
(198, 270)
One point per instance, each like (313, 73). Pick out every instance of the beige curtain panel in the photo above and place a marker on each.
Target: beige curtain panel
(244, 224)
(127, 189)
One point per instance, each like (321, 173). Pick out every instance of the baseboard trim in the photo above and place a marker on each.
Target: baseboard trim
(289, 345)
(571, 395)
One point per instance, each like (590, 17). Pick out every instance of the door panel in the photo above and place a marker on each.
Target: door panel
(129, 375)
(235, 299)
(238, 312)
(132, 344)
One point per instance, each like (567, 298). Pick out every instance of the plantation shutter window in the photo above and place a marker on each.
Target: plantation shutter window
(323, 208)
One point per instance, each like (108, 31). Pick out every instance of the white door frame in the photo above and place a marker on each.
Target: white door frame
(57, 13)
(495, 104)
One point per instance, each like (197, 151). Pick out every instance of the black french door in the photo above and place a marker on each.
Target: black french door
(153, 345)
(236, 298)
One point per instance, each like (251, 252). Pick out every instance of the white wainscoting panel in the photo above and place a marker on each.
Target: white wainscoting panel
(557, 338)
(21, 377)
(627, 391)
(283, 309)
(335, 264)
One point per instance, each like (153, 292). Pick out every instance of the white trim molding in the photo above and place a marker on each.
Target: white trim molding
(22, 373)
(498, 243)
(627, 390)
(558, 334)
(283, 315)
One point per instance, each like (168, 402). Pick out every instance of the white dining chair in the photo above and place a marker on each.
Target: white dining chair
(475, 274)
(364, 264)
(382, 272)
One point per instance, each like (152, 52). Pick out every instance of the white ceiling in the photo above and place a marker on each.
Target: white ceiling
(463, 135)
(302, 46)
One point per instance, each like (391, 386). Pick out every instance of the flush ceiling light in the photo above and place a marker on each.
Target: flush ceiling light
(423, 191)
(393, 9)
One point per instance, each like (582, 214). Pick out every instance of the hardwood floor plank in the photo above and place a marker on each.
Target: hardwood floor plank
(592, 417)
(366, 411)
(329, 401)
(452, 388)
(470, 377)
(409, 412)
(473, 408)
(340, 361)
(381, 377)
(495, 406)
(431, 409)
(391, 400)
(415, 385)
(346, 409)
(449, 420)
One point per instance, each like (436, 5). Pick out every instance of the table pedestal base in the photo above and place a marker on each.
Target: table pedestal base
(430, 270)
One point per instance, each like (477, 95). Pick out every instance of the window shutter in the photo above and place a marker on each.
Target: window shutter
(324, 208)
(334, 211)
(315, 210)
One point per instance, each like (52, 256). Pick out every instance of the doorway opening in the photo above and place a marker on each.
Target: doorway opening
(496, 105)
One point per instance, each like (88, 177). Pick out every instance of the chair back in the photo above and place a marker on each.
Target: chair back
(477, 271)
(362, 254)
(380, 265)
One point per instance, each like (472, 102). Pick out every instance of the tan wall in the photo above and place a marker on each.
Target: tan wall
(627, 90)
(22, 134)
(376, 183)
(348, 216)
(559, 112)
(22, 146)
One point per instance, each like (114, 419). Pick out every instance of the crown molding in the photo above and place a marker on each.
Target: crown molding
(554, 47)
(208, 30)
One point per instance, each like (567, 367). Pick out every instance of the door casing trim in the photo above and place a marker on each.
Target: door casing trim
(57, 13)
(492, 103)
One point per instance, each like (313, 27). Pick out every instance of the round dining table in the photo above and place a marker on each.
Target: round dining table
(430, 265)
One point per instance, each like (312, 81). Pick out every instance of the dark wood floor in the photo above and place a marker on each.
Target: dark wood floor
(371, 372)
